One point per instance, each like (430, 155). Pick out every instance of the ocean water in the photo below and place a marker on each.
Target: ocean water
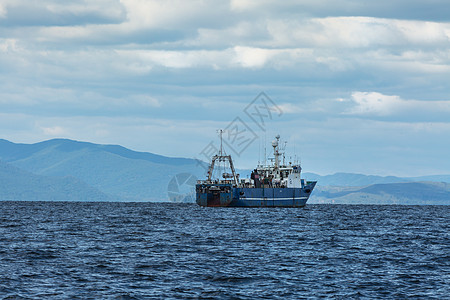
(67, 250)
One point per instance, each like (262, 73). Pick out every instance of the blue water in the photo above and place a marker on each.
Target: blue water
(182, 251)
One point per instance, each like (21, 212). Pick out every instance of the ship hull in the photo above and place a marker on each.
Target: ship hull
(256, 197)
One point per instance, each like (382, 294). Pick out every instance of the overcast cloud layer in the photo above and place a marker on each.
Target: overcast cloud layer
(363, 86)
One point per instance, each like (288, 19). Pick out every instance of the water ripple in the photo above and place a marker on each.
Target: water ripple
(182, 251)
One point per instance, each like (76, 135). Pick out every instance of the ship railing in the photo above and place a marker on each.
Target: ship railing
(214, 182)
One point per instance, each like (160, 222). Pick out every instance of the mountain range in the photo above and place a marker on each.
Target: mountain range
(352, 179)
(17, 184)
(116, 171)
(62, 169)
(412, 193)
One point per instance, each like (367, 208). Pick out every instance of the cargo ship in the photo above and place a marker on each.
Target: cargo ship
(274, 184)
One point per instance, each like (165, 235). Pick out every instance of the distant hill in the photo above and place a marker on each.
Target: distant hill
(388, 193)
(114, 170)
(352, 179)
(435, 178)
(13, 152)
(17, 184)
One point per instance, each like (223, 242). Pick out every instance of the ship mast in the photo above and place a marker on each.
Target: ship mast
(220, 134)
(275, 151)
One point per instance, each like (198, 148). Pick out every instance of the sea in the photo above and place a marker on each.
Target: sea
(116, 250)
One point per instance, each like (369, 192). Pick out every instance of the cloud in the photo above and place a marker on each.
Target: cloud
(400, 9)
(249, 5)
(419, 62)
(53, 13)
(54, 131)
(237, 57)
(148, 59)
(2, 11)
(8, 45)
(252, 57)
(379, 105)
(375, 104)
(289, 108)
(173, 13)
(46, 101)
(174, 39)
(242, 32)
(357, 32)
(144, 100)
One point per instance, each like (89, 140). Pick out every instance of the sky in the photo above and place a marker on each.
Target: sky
(351, 86)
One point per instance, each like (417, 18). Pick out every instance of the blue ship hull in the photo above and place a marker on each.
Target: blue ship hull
(224, 195)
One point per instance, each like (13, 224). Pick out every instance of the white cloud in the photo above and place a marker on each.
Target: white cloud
(97, 7)
(356, 32)
(245, 5)
(43, 101)
(148, 59)
(8, 45)
(55, 33)
(252, 57)
(377, 104)
(420, 32)
(289, 108)
(420, 62)
(2, 11)
(339, 43)
(174, 14)
(30, 15)
(148, 14)
(144, 100)
(53, 131)
(229, 58)
(248, 33)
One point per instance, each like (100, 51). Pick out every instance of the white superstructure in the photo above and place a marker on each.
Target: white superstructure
(277, 174)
